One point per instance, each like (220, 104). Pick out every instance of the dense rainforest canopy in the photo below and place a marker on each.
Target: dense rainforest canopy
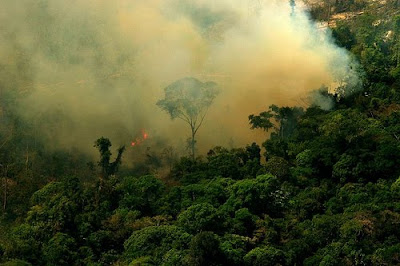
(323, 189)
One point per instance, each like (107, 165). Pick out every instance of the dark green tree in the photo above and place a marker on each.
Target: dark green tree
(265, 256)
(60, 250)
(108, 168)
(204, 249)
(200, 217)
(155, 242)
(282, 119)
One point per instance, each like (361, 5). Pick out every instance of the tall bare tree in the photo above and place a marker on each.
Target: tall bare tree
(189, 99)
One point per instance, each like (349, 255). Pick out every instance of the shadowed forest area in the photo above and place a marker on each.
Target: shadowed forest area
(322, 189)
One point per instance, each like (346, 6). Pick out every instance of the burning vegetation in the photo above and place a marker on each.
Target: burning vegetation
(292, 159)
(140, 139)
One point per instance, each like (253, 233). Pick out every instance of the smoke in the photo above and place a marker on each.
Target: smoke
(91, 68)
(322, 99)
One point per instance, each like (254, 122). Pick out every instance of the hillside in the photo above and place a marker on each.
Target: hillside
(323, 188)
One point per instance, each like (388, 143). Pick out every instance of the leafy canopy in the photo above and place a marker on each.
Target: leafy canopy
(188, 99)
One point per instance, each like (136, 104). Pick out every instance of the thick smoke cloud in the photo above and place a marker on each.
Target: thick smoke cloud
(91, 68)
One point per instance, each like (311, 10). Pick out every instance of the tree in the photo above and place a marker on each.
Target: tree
(204, 249)
(259, 196)
(263, 120)
(225, 163)
(5, 182)
(265, 256)
(343, 35)
(141, 193)
(103, 145)
(278, 166)
(155, 241)
(60, 250)
(285, 120)
(199, 218)
(253, 152)
(189, 99)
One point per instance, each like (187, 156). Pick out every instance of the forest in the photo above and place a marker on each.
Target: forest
(322, 188)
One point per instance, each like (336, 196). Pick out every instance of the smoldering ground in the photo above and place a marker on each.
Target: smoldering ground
(82, 69)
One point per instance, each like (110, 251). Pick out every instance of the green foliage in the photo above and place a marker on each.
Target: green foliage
(265, 256)
(224, 163)
(262, 121)
(155, 241)
(189, 171)
(343, 35)
(387, 255)
(284, 120)
(278, 166)
(25, 244)
(234, 248)
(200, 217)
(55, 205)
(257, 195)
(176, 257)
(60, 250)
(395, 188)
(204, 249)
(141, 193)
(213, 192)
(16, 263)
(244, 222)
(108, 168)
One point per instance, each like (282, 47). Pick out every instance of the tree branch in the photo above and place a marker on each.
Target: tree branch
(184, 117)
(201, 121)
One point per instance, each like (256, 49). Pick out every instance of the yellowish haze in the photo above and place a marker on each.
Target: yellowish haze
(91, 68)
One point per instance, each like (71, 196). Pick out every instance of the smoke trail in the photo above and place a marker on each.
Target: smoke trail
(91, 68)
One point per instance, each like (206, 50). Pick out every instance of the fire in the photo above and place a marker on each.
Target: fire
(139, 140)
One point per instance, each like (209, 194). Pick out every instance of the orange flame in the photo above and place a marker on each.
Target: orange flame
(139, 140)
